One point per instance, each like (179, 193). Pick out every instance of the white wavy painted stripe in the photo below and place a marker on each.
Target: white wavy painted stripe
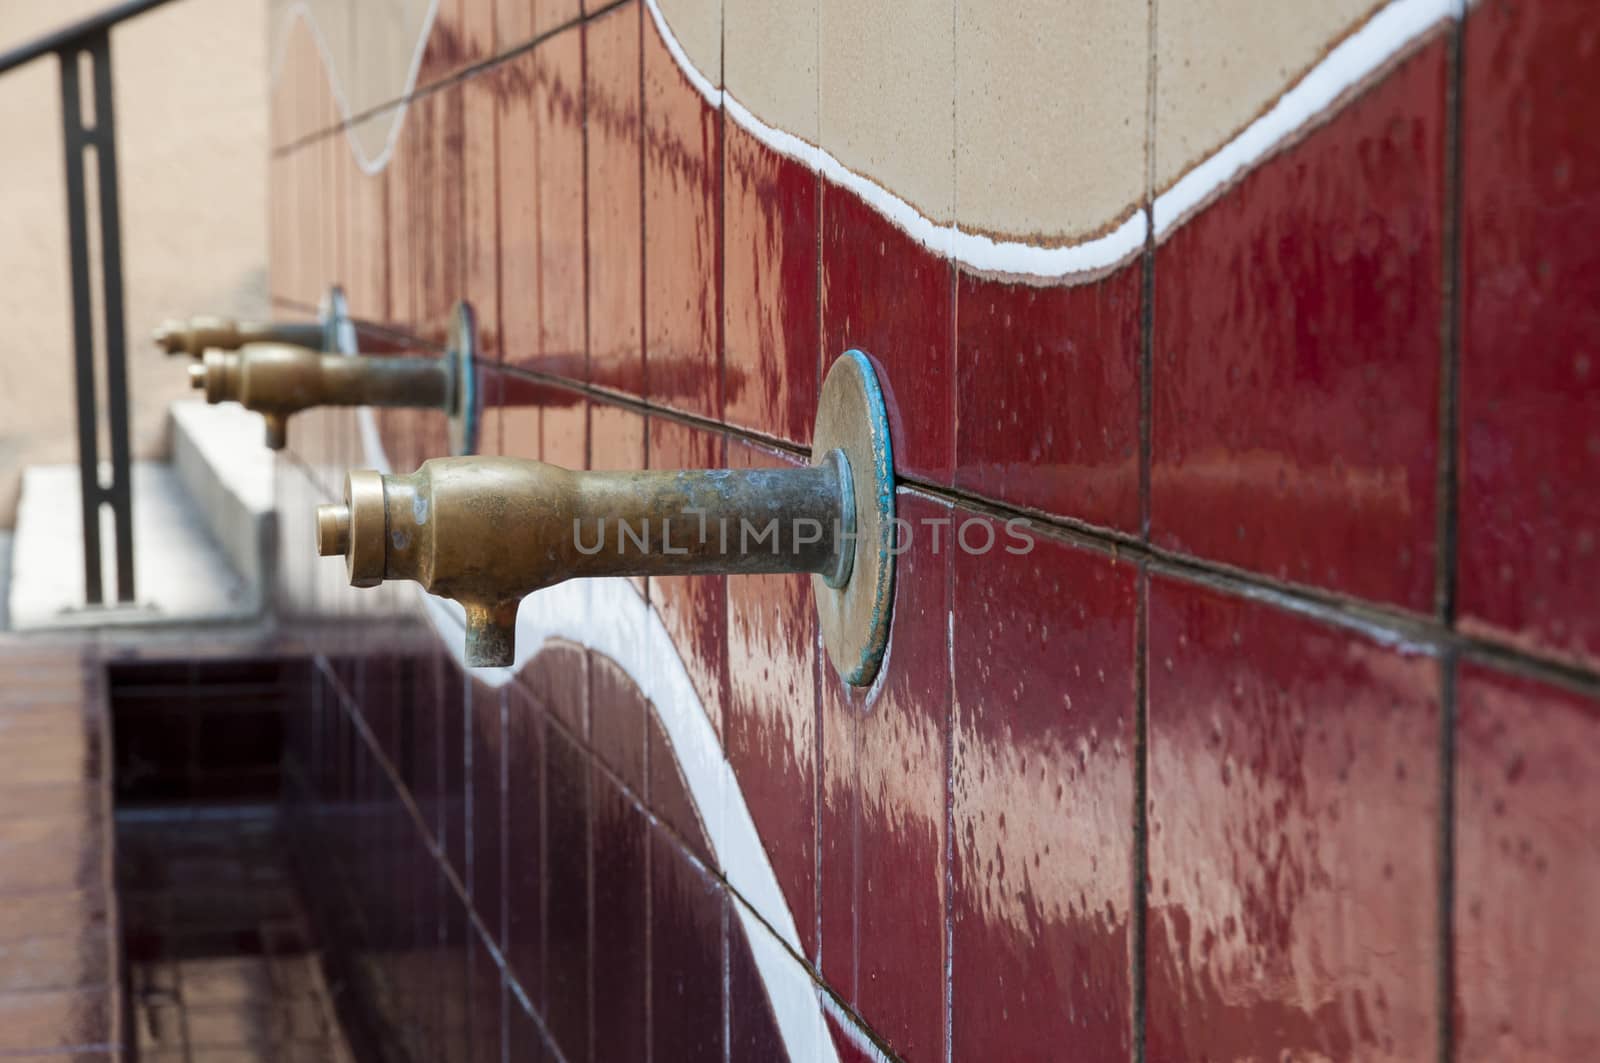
(610, 617)
(1383, 37)
(374, 165)
(1385, 34)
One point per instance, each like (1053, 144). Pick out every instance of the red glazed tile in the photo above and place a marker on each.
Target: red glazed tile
(481, 209)
(524, 1040)
(770, 727)
(553, 14)
(523, 943)
(477, 22)
(616, 441)
(564, 434)
(452, 982)
(615, 223)
(1296, 355)
(521, 415)
(883, 806)
(1529, 536)
(486, 707)
(887, 295)
(513, 23)
(568, 960)
(669, 796)
(400, 186)
(454, 722)
(486, 1001)
(445, 49)
(558, 97)
(1042, 792)
(621, 923)
(616, 438)
(694, 608)
(1293, 824)
(682, 237)
(1527, 783)
(752, 1028)
(771, 218)
(558, 678)
(617, 712)
(687, 921)
(519, 207)
(1047, 395)
(437, 242)
(850, 1042)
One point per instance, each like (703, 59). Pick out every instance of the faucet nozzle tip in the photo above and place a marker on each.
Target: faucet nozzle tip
(333, 530)
(168, 336)
(197, 377)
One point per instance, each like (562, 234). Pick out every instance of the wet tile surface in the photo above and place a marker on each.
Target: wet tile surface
(770, 724)
(615, 212)
(682, 238)
(1294, 788)
(888, 296)
(1047, 395)
(1530, 371)
(771, 218)
(884, 762)
(1042, 793)
(1296, 354)
(1526, 868)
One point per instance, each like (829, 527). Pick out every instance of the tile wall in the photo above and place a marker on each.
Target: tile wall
(1273, 739)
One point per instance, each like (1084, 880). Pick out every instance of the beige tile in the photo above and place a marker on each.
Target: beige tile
(697, 24)
(1220, 63)
(887, 100)
(1050, 115)
(770, 60)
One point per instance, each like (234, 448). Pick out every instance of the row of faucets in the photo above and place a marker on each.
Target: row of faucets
(487, 531)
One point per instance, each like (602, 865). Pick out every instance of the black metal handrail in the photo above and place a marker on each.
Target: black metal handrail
(92, 37)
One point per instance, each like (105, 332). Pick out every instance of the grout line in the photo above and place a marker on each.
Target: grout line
(1445, 991)
(1139, 908)
(949, 913)
(1147, 313)
(1448, 485)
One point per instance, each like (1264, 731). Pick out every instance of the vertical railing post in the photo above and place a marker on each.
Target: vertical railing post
(78, 138)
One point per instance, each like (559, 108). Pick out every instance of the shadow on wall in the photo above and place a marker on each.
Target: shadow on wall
(191, 144)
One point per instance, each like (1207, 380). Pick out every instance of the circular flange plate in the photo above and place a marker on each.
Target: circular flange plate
(463, 402)
(852, 418)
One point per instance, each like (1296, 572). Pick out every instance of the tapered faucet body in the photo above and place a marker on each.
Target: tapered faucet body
(277, 381)
(489, 531)
(200, 334)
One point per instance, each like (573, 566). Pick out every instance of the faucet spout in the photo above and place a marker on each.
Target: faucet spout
(489, 531)
(202, 333)
(277, 380)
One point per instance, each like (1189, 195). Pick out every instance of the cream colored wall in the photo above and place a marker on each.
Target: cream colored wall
(1045, 122)
(191, 124)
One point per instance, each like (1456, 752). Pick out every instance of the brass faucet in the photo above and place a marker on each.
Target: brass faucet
(489, 531)
(200, 334)
(278, 380)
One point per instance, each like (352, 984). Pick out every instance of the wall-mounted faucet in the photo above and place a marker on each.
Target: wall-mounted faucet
(489, 531)
(200, 334)
(277, 380)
